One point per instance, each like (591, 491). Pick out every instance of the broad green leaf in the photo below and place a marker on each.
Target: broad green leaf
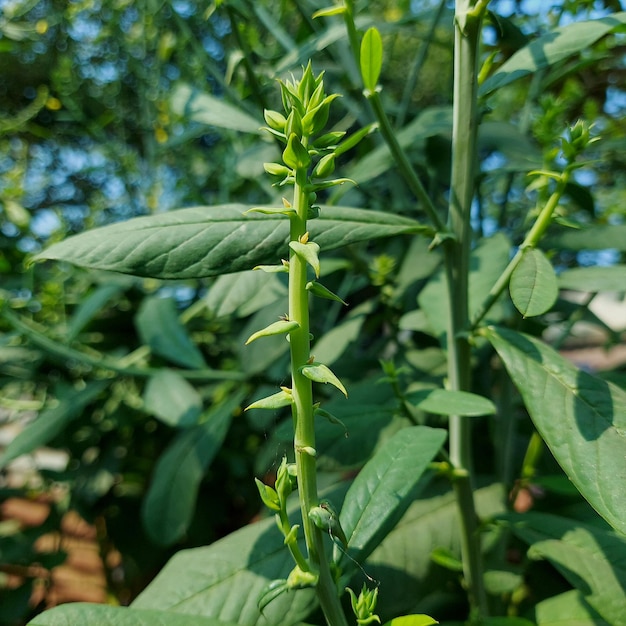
(159, 327)
(533, 284)
(105, 615)
(225, 579)
(384, 488)
(334, 343)
(448, 402)
(52, 422)
(90, 306)
(567, 609)
(599, 237)
(593, 560)
(487, 262)
(208, 241)
(170, 398)
(412, 620)
(402, 561)
(371, 58)
(170, 502)
(594, 278)
(243, 293)
(206, 109)
(581, 418)
(551, 48)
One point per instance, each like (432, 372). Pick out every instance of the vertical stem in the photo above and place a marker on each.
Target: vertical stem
(303, 418)
(457, 251)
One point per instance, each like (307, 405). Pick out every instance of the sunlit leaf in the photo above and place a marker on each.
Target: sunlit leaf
(551, 48)
(208, 241)
(371, 58)
(594, 278)
(384, 488)
(533, 284)
(567, 609)
(581, 418)
(592, 559)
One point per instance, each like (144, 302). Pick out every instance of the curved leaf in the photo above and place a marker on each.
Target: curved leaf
(533, 284)
(207, 241)
(551, 48)
(224, 580)
(449, 402)
(581, 418)
(384, 488)
(171, 499)
(592, 559)
(106, 615)
(594, 278)
(371, 58)
(567, 609)
(171, 399)
(160, 328)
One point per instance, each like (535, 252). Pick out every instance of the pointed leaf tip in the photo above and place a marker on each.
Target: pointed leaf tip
(320, 373)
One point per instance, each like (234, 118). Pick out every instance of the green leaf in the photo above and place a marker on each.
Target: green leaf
(567, 609)
(412, 620)
(308, 252)
(320, 373)
(334, 10)
(206, 109)
(275, 401)
(592, 559)
(208, 241)
(243, 293)
(281, 327)
(449, 402)
(581, 418)
(551, 48)
(431, 521)
(52, 422)
(591, 238)
(106, 615)
(335, 342)
(594, 278)
(159, 327)
(169, 505)
(384, 488)
(170, 398)
(317, 289)
(487, 261)
(224, 580)
(371, 58)
(90, 306)
(533, 284)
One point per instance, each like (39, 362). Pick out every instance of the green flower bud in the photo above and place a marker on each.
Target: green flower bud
(295, 154)
(277, 169)
(293, 124)
(325, 166)
(275, 120)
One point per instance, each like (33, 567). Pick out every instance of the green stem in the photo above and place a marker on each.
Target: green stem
(304, 427)
(456, 258)
(531, 240)
(403, 163)
(98, 360)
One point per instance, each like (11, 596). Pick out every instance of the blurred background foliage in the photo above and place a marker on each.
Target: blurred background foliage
(111, 109)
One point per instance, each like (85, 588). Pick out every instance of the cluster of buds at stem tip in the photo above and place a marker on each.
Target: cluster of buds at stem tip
(364, 605)
(576, 141)
(300, 128)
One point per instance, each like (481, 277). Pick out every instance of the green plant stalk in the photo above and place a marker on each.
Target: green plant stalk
(403, 163)
(456, 258)
(532, 239)
(302, 408)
